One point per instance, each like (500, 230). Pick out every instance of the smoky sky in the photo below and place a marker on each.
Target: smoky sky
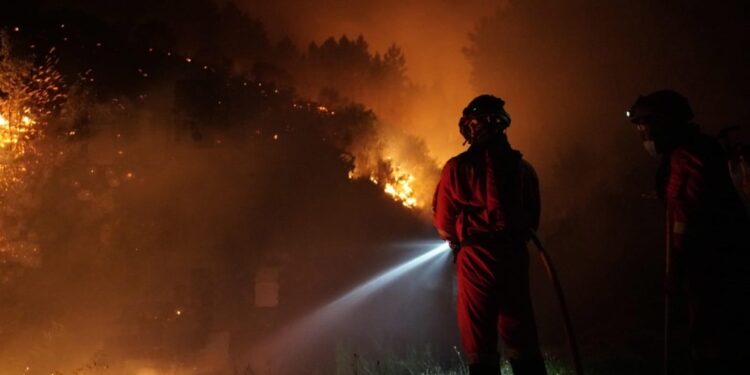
(431, 33)
(555, 63)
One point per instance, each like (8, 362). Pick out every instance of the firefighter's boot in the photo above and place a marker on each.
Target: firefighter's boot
(528, 366)
(484, 369)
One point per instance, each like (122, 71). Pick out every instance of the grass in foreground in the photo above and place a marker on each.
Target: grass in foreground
(419, 362)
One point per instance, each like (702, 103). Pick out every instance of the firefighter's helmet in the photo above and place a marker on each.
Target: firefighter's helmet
(483, 118)
(666, 105)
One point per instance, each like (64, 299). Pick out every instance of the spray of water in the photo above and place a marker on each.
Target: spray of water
(361, 292)
(306, 332)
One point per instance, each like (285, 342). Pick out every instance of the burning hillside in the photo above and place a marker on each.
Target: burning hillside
(149, 198)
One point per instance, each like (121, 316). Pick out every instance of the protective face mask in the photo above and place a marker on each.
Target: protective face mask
(650, 147)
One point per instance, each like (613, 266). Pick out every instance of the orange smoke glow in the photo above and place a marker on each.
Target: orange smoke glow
(433, 42)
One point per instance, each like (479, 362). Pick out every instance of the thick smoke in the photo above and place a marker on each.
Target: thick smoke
(569, 71)
(206, 148)
(432, 35)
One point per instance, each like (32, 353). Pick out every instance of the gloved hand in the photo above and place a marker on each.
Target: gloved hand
(455, 248)
(674, 282)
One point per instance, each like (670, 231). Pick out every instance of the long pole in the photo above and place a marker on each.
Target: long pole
(569, 333)
(667, 301)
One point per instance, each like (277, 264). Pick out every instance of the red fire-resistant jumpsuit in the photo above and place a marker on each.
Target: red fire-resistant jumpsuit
(707, 227)
(487, 199)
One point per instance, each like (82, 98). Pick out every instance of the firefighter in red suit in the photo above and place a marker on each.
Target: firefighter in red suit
(707, 228)
(486, 203)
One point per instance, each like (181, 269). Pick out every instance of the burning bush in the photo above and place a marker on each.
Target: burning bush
(29, 93)
(139, 226)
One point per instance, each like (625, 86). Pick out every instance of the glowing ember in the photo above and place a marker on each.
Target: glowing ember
(28, 93)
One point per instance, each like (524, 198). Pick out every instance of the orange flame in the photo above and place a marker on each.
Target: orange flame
(398, 185)
(13, 134)
(401, 189)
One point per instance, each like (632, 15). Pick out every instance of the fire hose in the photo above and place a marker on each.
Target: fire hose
(667, 300)
(552, 274)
